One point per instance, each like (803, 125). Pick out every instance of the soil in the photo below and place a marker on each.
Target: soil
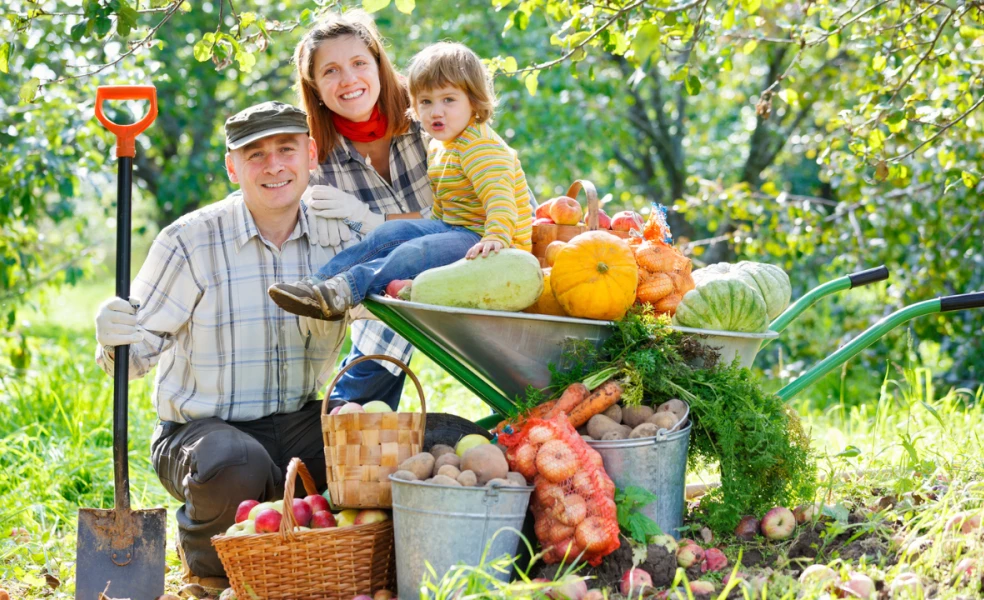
(806, 545)
(606, 575)
(660, 564)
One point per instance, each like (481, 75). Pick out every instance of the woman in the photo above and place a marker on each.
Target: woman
(373, 167)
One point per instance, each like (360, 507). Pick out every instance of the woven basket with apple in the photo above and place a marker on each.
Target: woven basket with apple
(560, 219)
(365, 444)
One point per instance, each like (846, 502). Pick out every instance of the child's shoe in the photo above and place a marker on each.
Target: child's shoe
(309, 297)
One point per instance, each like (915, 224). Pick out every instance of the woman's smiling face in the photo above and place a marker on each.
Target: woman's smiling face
(347, 77)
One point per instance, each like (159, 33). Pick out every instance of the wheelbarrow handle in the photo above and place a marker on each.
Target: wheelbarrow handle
(126, 134)
(868, 276)
(962, 301)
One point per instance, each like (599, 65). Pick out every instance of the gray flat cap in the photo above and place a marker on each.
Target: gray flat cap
(263, 120)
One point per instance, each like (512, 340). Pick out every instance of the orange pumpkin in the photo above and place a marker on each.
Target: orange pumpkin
(547, 304)
(595, 276)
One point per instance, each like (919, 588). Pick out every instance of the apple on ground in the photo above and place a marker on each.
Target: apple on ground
(568, 588)
(302, 512)
(689, 555)
(258, 509)
(666, 541)
(748, 528)
(543, 221)
(377, 406)
(858, 585)
(634, 579)
(778, 523)
(906, 585)
(594, 594)
(268, 521)
(323, 519)
(627, 220)
(316, 502)
(714, 560)
(242, 512)
(565, 211)
(370, 515)
(346, 517)
(804, 513)
(702, 587)
(350, 407)
(470, 441)
(818, 575)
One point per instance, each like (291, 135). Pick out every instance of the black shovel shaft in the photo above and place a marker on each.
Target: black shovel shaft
(121, 370)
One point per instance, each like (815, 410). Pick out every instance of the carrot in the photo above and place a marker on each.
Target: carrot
(599, 401)
(572, 396)
(537, 412)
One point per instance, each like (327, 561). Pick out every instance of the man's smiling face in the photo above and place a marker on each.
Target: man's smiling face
(273, 172)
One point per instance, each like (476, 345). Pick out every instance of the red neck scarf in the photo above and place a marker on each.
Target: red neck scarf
(367, 131)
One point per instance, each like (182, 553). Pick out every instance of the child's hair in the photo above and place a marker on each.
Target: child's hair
(393, 98)
(451, 64)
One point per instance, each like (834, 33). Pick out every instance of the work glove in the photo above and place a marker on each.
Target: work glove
(328, 232)
(116, 323)
(332, 203)
(315, 327)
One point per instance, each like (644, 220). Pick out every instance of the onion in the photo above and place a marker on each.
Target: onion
(571, 511)
(556, 461)
(592, 534)
(541, 434)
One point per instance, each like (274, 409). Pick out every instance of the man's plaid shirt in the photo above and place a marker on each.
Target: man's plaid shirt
(410, 191)
(224, 348)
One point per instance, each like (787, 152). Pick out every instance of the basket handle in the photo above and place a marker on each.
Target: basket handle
(592, 195)
(396, 361)
(289, 522)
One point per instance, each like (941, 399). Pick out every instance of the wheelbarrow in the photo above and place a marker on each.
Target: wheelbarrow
(497, 355)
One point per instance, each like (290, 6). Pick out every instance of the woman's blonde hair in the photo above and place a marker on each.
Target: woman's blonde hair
(393, 98)
(450, 64)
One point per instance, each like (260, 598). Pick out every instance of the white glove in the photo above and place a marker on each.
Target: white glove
(315, 327)
(332, 203)
(322, 231)
(116, 322)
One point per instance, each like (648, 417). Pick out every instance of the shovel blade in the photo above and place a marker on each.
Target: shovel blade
(121, 548)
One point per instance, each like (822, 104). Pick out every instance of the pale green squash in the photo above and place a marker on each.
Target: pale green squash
(724, 304)
(769, 280)
(510, 281)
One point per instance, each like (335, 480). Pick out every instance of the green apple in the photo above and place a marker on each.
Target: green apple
(278, 506)
(346, 517)
(377, 406)
(249, 528)
(470, 441)
(236, 528)
(257, 509)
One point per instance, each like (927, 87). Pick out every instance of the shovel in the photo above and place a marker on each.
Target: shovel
(121, 551)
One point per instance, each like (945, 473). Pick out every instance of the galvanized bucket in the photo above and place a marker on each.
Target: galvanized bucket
(657, 464)
(444, 526)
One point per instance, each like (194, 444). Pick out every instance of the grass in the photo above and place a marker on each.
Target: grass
(903, 440)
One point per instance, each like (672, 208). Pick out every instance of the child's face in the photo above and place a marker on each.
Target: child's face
(444, 112)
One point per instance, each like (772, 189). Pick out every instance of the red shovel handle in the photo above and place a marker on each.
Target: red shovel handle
(125, 134)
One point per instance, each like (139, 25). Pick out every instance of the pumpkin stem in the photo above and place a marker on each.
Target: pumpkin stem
(602, 267)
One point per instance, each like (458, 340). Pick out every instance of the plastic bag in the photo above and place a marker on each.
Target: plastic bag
(574, 499)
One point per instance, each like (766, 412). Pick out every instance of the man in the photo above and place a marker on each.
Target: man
(237, 382)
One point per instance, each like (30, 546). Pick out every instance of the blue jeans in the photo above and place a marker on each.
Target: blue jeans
(400, 249)
(368, 381)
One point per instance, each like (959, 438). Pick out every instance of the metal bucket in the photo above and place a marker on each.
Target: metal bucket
(444, 525)
(657, 464)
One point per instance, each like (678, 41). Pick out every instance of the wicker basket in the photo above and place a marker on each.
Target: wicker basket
(363, 449)
(544, 234)
(321, 563)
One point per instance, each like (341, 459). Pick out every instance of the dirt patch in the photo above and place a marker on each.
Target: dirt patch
(754, 557)
(871, 548)
(606, 575)
(660, 564)
(806, 545)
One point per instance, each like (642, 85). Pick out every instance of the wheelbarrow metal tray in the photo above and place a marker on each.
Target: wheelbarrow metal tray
(509, 350)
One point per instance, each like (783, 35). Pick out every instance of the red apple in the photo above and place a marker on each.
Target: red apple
(634, 579)
(362, 597)
(689, 554)
(778, 523)
(594, 594)
(242, 513)
(370, 515)
(543, 210)
(627, 220)
(702, 587)
(804, 513)
(268, 521)
(966, 568)
(747, 528)
(566, 211)
(568, 588)
(858, 585)
(714, 560)
(383, 595)
(323, 519)
(818, 575)
(552, 250)
(739, 576)
(543, 221)
(604, 221)
(316, 502)
(393, 288)
(965, 522)
(302, 512)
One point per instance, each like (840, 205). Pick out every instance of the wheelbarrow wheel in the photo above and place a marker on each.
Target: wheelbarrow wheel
(445, 428)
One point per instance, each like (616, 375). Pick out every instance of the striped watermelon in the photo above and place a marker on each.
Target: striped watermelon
(725, 305)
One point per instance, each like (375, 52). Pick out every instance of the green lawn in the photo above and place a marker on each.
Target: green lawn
(905, 440)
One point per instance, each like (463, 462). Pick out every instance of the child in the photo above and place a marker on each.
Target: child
(482, 202)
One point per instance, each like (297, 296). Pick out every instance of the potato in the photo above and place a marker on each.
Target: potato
(444, 480)
(500, 481)
(586, 437)
(467, 479)
(516, 478)
(487, 463)
(614, 412)
(615, 434)
(636, 415)
(439, 450)
(450, 471)
(599, 425)
(421, 465)
(663, 420)
(625, 429)
(500, 448)
(644, 430)
(405, 475)
(447, 459)
(675, 406)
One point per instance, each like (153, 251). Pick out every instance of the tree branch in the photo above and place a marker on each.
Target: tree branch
(942, 130)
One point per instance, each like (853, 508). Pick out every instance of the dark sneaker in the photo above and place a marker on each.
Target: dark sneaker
(326, 300)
